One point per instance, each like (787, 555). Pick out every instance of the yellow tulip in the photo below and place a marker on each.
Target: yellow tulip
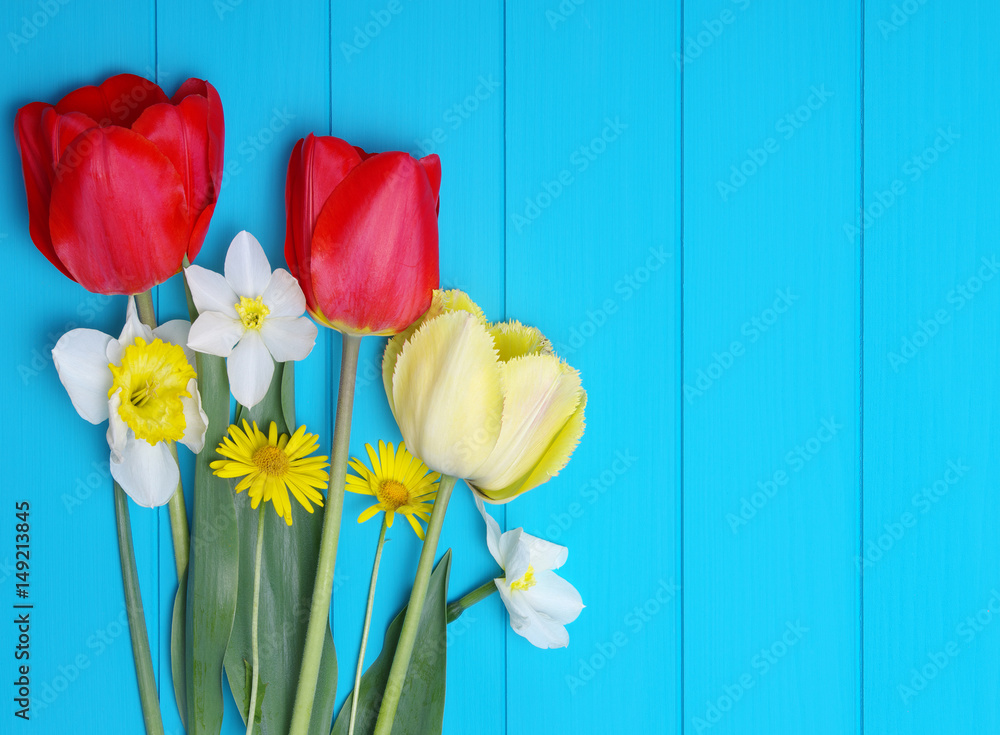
(490, 403)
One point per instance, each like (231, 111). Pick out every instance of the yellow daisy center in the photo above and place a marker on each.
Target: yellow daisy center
(392, 494)
(526, 582)
(252, 311)
(271, 461)
(151, 381)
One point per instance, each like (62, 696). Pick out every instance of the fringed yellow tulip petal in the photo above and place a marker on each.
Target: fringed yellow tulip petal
(513, 339)
(455, 300)
(447, 393)
(555, 458)
(541, 394)
(443, 301)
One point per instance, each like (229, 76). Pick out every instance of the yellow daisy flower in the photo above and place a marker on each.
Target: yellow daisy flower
(271, 466)
(399, 481)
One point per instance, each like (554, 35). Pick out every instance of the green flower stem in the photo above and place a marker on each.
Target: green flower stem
(176, 507)
(144, 305)
(179, 523)
(414, 611)
(319, 613)
(459, 606)
(367, 625)
(136, 619)
(252, 712)
(192, 309)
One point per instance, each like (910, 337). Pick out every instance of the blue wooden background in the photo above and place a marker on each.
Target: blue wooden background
(765, 232)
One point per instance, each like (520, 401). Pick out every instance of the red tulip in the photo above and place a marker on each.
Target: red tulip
(362, 234)
(121, 180)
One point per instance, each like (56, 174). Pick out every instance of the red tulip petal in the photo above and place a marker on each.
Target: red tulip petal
(326, 161)
(118, 219)
(199, 232)
(216, 123)
(375, 247)
(61, 131)
(432, 165)
(189, 87)
(293, 180)
(36, 165)
(180, 132)
(317, 165)
(361, 152)
(119, 100)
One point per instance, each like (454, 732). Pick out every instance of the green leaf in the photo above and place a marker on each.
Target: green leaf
(178, 648)
(288, 395)
(214, 565)
(421, 705)
(288, 570)
(261, 691)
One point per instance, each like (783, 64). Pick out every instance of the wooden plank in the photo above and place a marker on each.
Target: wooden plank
(592, 259)
(427, 78)
(80, 647)
(771, 367)
(268, 62)
(931, 322)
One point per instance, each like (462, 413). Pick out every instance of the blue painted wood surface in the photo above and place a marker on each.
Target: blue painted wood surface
(766, 235)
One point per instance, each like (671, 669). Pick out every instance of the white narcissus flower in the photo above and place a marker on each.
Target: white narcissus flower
(249, 316)
(144, 385)
(539, 601)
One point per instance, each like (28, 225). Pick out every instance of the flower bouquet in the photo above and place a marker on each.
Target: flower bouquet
(120, 197)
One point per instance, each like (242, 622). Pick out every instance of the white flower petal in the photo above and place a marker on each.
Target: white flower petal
(516, 610)
(147, 473)
(540, 630)
(195, 419)
(515, 555)
(283, 295)
(133, 328)
(250, 368)
(545, 555)
(81, 359)
(492, 531)
(118, 431)
(554, 597)
(288, 338)
(210, 291)
(215, 333)
(247, 269)
(176, 332)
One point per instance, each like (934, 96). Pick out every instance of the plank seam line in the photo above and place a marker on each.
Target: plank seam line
(330, 349)
(680, 384)
(329, 65)
(159, 521)
(861, 386)
(503, 231)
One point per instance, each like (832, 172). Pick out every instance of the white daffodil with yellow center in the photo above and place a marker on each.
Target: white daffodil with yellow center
(539, 601)
(144, 385)
(490, 403)
(249, 316)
